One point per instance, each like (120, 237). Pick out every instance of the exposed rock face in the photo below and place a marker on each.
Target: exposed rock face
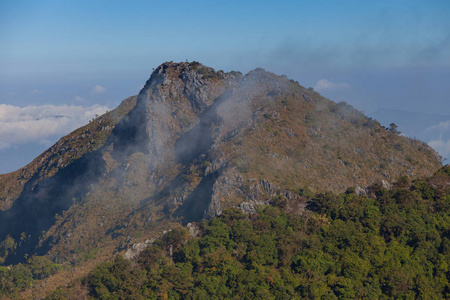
(137, 248)
(173, 99)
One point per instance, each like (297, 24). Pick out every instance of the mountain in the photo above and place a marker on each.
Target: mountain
(192, 144)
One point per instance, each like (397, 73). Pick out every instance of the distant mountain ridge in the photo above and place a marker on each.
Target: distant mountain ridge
(194, 142)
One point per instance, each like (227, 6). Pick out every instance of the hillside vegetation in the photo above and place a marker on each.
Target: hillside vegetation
(389, 244)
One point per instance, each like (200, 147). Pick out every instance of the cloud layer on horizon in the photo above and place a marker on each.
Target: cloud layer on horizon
(42, 124)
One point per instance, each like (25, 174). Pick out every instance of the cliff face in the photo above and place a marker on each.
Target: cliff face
(177, 97)
(195, 142)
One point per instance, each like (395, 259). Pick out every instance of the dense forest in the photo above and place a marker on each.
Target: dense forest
(386, 244)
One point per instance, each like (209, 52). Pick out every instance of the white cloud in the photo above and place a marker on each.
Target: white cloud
(439, 138)
(324, 84)
(441, 127)
(98, 89)
(79, 99)
(441, 146)
(40, 124)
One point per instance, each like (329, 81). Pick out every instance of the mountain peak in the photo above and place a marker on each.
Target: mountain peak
(194, 142)
(192, 81)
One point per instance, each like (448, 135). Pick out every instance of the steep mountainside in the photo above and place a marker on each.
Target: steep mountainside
(193, 143)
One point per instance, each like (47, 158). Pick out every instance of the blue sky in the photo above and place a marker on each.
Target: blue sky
(87, 56)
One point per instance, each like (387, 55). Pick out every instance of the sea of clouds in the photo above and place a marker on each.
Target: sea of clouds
(20, 125)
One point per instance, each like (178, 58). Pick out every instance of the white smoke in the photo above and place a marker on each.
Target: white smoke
(19, 125)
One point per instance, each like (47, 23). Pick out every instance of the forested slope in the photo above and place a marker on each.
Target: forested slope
(387, 244)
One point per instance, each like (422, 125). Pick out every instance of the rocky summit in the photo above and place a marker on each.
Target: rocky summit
(194, 142)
